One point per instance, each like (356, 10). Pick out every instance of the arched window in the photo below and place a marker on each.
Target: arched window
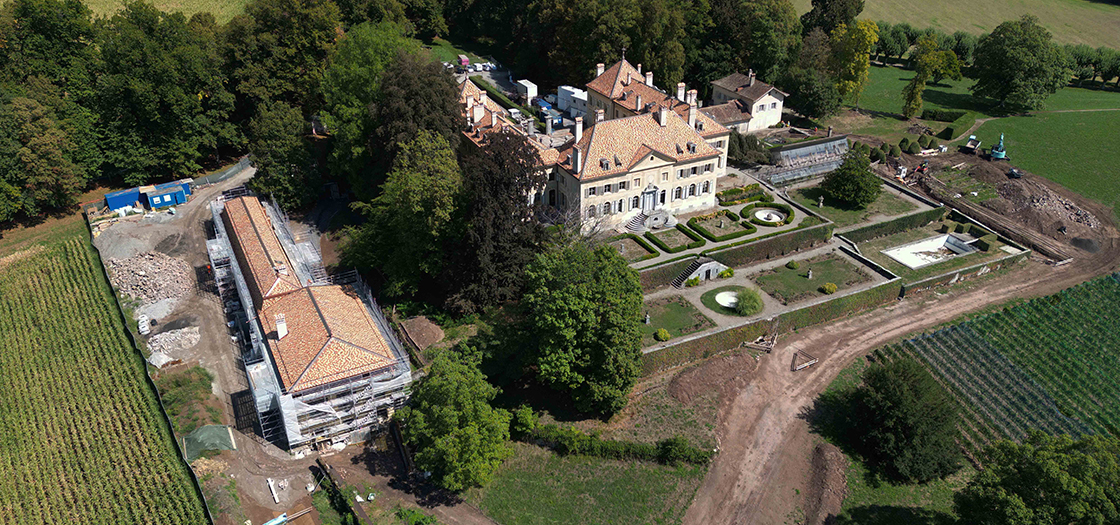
(677, 193)
(634, 203)
(590, 212)
(707, 187)
(691, 190)
(606, 208)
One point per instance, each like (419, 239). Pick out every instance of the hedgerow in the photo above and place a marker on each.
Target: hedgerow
(893, 226)
(697, 241)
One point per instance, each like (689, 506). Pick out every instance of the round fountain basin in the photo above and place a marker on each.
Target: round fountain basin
(727, 299)
(769, 215)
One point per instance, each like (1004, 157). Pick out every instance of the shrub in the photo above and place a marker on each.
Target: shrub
(828, 288)
(662, 335)
(962, 227)
(942, 115)
(904, 143)
(793, 265)
(732, 196)
(896, 151)
(730, 272)
(877, 156)
(731, 215)
(695, 281)
(923, 141)
(914, 148)
(523, 422)
(767, 198)
(884, 147)
(986, 242)
(567, 441)
(748, 302)
(676, 450)
(901, 224)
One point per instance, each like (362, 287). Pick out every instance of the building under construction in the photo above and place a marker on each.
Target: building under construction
(323, 364)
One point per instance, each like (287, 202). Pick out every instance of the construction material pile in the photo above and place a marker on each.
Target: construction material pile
(174, 340)
(1064, 208)
(151, 276)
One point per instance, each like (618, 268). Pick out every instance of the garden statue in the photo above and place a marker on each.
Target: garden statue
(810, 274)
(820, 201)
(647, 317)
(721, 223)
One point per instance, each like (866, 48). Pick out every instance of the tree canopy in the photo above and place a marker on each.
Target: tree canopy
(1018, 63)
(853, 182)
(582, 308)
(458, 436)
(831, 14)
(851, 56)
(285, 169)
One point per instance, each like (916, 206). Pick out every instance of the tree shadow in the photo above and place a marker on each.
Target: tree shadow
(890, 515)
(833, 416)
(816, 192)
(389, 464)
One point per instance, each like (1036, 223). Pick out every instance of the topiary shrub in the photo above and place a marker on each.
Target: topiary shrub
(767, 198)
(793, 265)
(986, 242)
(695, 281)
(523, 423)
(877, 156)
(662, 335)
(914, 148)
(885, 148)
(896, 151)
(932, 143)
(748, 302)
(924, 141)
(730, 272)
(962, 227)
(732, 215)
(904, 143)
(828, 288)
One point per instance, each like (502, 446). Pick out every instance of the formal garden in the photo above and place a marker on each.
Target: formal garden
(887, 205)
(800, 280)
(733, 300)
(672, 316)
(632, 248)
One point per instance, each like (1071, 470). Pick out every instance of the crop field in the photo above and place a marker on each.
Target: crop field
(223, 10)
(82, 439)
(1049, 363)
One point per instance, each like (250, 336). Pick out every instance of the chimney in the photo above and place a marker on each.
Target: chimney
(649, 78)
(692, 114)
(639, 69)
(470, 102)
(599, 116)
(750, 77)
(579, 128)
(482, 99)
(599, 69)
(663, 115)
(548, 126)
(575, 159)
(639, 103)
(477, 112)
(281, 327)
(680, 91)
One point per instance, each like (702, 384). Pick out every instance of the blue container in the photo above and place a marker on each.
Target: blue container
(170, 195)
(119, 199)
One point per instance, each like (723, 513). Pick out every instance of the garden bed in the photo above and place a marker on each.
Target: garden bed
(632, 248)
(721, 226)
(674, 314)
(709, 300)
(791, 285)
(675, 240)
(888, 204)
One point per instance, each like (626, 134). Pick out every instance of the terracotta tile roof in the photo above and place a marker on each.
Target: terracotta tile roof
(729, 113)
(740, 84)
(496, 119)
(624, 142)
(331, 337)
(268, 272)
(624, 85)
(470, 89)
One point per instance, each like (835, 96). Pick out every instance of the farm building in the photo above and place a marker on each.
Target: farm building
(323, 364)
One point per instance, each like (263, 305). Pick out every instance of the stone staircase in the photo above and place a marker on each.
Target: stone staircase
(637, 225)
(679, 281)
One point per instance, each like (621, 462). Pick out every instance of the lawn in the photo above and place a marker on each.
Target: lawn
(447, 52)
(223, 10)
(790, 286)
(536, 486)
(1071, 21)
(632, 250)
(709, 299)
(674, 314)
(1076, 150)
(888, 204)
(673, 238)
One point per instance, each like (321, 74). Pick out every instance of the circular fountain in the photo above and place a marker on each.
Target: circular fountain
(769, 215)
(727, 299)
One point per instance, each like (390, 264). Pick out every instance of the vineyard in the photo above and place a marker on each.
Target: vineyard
(82, 439)
(1050, 363)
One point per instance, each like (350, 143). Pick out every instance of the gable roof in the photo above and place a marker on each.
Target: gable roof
(624, 142)
(624, 85)
(741, 85)
(731, 112)
(614, 78)
(496, 119)
(268, 270)
(331, 336)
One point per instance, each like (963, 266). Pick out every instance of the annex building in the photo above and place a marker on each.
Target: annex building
(744, 103)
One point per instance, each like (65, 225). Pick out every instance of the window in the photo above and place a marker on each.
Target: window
(761, 107)
(677, 193)
(692, 190)
(618, 205)
(719, 162)
(719, 144)
(606, 189)
(680, 173)
(634, 202)
(707, 167)
(606, 208)
(662, 199)
(621, 185)
(637, 183)
(591, 191)
(773, 105)
(552, 197)
(693, 170)
(590, 212)
(665, 176)
(707, 187)
(552, 175)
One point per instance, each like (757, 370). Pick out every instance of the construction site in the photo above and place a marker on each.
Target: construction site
(323, 365)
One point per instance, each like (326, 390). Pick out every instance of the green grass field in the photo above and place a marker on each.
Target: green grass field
(789, 286)
(709, 299)
(223, 10)
(1071, 21)
(888, 204)
(674, 314)
(536, 486)
(1077, 150)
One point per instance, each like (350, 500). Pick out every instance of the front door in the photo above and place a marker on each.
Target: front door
(649, 200)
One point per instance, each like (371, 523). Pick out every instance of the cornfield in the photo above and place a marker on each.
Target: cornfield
(1049, 364)
(81, 436)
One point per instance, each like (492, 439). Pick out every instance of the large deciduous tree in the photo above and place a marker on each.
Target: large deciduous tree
(853, 182)
(410, 222)
(39, 168)
(582, 308)
(1045, 480)
(279, 148)
(1017, 63)
(830, 14)
(851, 56)
(908, 422)
(48, 38)
(458, 436)
(931, 62)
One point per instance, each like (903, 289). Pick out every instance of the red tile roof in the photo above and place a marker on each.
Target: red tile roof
(624, 85)
(331, 336)
(729, 113)
(268, 272)
(496, 119)
(741, 85)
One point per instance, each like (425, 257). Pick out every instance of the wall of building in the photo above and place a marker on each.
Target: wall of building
(665, 177)
(766, 112)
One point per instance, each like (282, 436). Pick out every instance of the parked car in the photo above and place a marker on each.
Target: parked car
(144, 325)
(1014, 173)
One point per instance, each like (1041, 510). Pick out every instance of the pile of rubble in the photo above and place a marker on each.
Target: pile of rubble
(151, 276)
(174, 340)
(1064, 208)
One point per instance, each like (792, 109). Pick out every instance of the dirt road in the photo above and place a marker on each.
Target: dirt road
(763, 469)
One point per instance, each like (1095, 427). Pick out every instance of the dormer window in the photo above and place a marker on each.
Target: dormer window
(679, 150)
(699, 125)
(692, 147)
(605, 164)
(617, 162)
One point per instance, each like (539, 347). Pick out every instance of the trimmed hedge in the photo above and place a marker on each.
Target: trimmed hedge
(942, 115)
(641, 242)
(914, 148)
(733, 196)
(986, 242)
(702, 348)
(694, 223)
(572, 441)
(893, 226)
(958, 126)
(782, 243)
(746, 212)
(655, 278)
(896, 151)
(841, 306)
(731, 215)
(697, 241)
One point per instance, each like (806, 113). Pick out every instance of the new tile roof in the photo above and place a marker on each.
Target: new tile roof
(740, 84)
(624, 142)
(268, 272)
(729, 113)
(331, 336)
(496, 119)
(624, 85)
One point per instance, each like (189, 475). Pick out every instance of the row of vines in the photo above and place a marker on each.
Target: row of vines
(81, 435)
(1048, 364)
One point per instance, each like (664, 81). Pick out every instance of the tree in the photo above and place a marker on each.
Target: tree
(908, 422)
(458, 436)
(812, 93)
(1045, 480)
(1110, 66)
(851, 56)
(1085, 62)
(892, 40)
(281, 155)
(38, 172)
(831, 14)
(502, 234)
(410, 221)
(582, 308)
(763, 34)
(1017, 63)
(933, 61)
(48, 38)
(912, 96)
(964, 46)
(853, 182)
(416, 93)
(350, 85)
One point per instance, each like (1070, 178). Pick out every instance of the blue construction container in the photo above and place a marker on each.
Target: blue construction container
(119, 199)
(165, 195)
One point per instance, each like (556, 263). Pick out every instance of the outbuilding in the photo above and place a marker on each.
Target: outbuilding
(123, 198)
(526, 89)
(167, 194)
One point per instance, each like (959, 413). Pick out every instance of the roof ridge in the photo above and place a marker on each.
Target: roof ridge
(311, 362)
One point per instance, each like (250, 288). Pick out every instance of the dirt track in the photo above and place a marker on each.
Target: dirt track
(764, 469)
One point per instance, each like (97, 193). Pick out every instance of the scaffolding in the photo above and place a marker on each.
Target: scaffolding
(342, 410)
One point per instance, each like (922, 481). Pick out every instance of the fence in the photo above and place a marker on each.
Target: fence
(215, 178)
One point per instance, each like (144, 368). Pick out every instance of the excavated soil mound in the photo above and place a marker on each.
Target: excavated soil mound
(828, 485)
(723, 373)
